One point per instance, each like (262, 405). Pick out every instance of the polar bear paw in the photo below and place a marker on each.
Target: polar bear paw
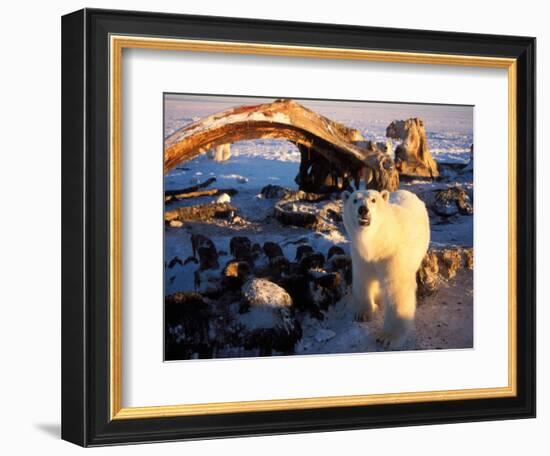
(390, 341)
(364, 315)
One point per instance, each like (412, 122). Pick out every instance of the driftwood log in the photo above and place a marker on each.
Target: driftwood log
(196, 191)
(200, 213)
(191, 189)
(333, 155)
(199, 193)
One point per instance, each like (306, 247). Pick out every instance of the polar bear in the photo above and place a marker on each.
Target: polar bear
(389, 235)
(220, 153)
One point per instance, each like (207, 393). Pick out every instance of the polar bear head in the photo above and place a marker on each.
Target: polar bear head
(364, 209)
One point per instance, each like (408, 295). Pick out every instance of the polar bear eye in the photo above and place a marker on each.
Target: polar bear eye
(373, 200)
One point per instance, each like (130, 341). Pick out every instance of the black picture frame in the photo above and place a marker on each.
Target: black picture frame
(85, 228)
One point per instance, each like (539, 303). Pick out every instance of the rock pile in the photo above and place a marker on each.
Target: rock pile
(442, 264)
(452, 201)
(258, 299)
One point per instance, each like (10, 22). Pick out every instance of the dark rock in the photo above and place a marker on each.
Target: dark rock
(208, 258)
(256, 251)
(296, 286)
(445, 208)
(342, 263)
(278, 266)
(272, 250)
(268, 323)
(314, 292)
(241, 248)
(312, 261)
(206, 251)
(301, 250)
(296, 214)
(186, 327)
(329, 280)
(281, 338)
(235, 274)
(275, 191)
(326, 289)
(335, 250)
(334, 215)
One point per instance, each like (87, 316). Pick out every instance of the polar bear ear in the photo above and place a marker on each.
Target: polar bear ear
(345, 195)
(385, 195)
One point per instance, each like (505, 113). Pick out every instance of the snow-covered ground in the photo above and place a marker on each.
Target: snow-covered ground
(255, 164)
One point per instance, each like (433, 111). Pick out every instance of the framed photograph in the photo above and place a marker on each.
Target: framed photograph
(279, 227)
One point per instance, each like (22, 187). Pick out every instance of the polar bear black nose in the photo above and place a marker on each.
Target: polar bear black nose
(363, 210)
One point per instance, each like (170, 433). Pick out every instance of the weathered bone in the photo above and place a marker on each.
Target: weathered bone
(412, 156)
(333, 143)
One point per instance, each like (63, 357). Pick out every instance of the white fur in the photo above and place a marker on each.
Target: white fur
(386, 255)
(220, 153)
(223, 198)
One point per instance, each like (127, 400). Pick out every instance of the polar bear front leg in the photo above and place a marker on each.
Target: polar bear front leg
(366, 294)
(399, 313)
